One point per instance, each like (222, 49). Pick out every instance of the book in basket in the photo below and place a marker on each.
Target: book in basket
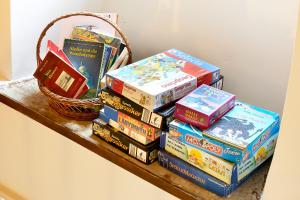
(60, 77)
(86, 57)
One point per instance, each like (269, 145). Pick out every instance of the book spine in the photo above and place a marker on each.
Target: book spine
(142, 153)
(197, 140)
(140, 97)
(190, 116)
(217, 167)
(195, 175)
(221, 111)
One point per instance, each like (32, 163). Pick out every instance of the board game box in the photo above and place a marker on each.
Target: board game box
(193, 136)
(126, 121)
(160, 79)
(158, 119)
(228, 172)
(203, 106)
(196, 175)
(245, 127)
(133, 130)
(144, 153)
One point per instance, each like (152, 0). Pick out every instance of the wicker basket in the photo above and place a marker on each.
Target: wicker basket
(76, 109)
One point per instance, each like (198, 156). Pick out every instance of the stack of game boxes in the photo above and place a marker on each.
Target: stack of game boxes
(216, 141)
(139, 100)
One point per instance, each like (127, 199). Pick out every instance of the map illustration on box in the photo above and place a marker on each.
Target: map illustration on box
(160, 79)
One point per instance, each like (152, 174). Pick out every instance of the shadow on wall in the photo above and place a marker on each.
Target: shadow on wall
(243, 39)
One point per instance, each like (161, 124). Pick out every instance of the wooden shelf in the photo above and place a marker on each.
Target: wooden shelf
(25, 97)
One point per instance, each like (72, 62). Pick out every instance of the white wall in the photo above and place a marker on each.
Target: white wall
(283, 179)
(38, 163)
(29, 18)
(251, 40)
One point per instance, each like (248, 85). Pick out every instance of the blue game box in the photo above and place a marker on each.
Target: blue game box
(235, 137)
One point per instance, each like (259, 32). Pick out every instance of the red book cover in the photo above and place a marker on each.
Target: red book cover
(51, 46)
(59, 77)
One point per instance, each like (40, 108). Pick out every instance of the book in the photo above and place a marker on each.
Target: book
(89, 22)
(60, 77)
(51, 46)
(144, 153)
(160, 79)
(86, 57)
(116, 65)
(228, 172)
(203, 106)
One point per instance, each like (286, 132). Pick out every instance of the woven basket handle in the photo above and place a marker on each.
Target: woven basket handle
(38, 47)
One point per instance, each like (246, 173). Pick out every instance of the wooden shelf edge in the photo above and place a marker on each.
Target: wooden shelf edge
(105, 153)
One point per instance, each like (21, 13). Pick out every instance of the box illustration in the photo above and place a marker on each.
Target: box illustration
(160, 79)
(193, 136)
(244, 127)
(203, 106)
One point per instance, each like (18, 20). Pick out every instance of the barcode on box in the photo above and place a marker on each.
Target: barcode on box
(137, 152)
(132, 150)
(146, 115)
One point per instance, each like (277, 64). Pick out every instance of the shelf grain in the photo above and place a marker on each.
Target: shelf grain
(25, 97)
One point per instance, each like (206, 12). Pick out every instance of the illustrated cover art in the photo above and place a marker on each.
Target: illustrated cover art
(86, 57)
(88, 33)
(144, 153)
(60, 77)
(157, 80)
(243, 125)
(204, 105)
(214, 70)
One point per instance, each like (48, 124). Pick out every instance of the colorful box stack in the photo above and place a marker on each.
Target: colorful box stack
(139, 100)
(217, 142)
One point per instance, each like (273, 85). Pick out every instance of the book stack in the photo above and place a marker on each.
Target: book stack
(217, 142)
(76, 69)
(139, 99)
